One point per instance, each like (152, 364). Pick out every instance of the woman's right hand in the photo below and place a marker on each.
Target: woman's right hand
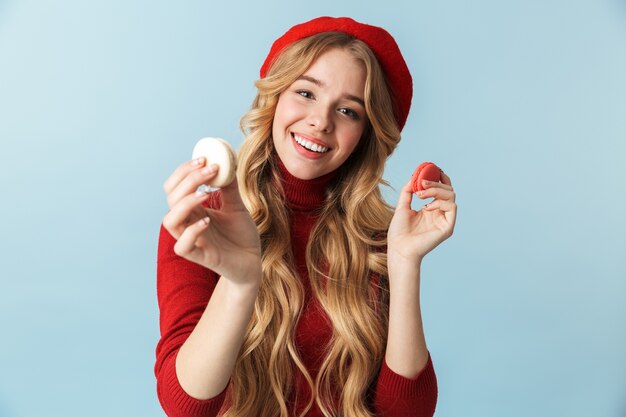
(225, 240)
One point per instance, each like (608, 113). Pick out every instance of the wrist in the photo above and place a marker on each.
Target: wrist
(398, 260)
(243, 289)
(403, 271)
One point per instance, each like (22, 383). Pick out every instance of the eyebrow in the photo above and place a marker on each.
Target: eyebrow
(321, 84)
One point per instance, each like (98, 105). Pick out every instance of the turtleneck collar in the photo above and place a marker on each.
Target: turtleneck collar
(304, 194)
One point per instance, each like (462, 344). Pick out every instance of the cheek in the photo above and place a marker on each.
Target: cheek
(353, 137)
(286, 113)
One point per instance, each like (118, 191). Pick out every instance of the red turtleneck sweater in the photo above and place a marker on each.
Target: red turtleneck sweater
(184, 289)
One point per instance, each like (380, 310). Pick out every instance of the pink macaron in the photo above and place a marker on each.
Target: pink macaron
(425, 171)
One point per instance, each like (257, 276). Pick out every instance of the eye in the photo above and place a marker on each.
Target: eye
(350, 113)
(305, 93)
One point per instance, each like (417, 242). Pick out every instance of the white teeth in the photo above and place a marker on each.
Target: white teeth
(309, 145)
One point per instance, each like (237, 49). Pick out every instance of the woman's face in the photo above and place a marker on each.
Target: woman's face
(320, 118)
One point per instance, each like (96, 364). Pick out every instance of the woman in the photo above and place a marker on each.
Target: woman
(295, 289)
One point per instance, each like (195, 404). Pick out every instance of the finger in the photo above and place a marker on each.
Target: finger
(445, 179)
(429, 184)
(181, 172)
(191, 182)
(437, 192)
(177, 219)
(406, 196)
(440, 205)
(186, 244)
(449, 209)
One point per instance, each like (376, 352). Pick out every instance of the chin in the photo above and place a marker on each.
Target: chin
(303, 172)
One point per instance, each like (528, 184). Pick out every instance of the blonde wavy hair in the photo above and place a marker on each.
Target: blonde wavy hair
(345, 255)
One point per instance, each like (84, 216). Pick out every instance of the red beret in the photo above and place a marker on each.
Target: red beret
(378, 39)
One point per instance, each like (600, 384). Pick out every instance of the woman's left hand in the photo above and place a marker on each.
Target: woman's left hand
(412, 234)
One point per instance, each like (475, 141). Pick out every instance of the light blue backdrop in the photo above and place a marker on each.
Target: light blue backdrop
(523, 104)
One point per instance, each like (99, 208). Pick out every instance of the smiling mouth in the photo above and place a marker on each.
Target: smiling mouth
(313, 147)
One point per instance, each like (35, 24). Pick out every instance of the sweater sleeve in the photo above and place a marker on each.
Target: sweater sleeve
(183, 292)
(398, 396)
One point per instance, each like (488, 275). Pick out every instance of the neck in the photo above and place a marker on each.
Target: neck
(304, 194)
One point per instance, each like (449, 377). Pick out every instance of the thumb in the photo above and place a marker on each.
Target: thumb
(405, 198)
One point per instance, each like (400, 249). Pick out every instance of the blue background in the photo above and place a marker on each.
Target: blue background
(522, 103)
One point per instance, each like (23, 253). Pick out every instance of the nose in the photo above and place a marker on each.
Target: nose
(320, 118)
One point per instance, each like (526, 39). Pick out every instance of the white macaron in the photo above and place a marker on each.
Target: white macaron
(217, 151)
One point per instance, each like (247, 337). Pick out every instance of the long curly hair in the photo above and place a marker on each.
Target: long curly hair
(345, 255)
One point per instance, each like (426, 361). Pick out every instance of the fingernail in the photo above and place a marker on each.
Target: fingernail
(425, 182)
(198, 161)
(210, 169)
